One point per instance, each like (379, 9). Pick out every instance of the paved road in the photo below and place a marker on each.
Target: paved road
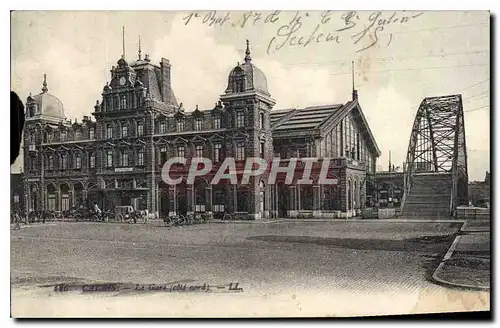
(288, 268)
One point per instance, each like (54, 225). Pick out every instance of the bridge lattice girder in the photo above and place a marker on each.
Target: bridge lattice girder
(437, 143)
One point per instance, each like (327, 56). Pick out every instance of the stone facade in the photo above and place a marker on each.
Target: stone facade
(116, 158)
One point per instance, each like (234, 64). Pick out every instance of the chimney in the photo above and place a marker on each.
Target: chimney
(146, 57)
(165, 81)
(354, 94)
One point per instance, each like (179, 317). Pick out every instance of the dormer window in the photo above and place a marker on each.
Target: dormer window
(108, 104)
(198, 124)
(63, 136)
(91, 133)
(32, 110)
(238, 80)
(216, 122)
(180, 125)
(77, 135)
(162, 126)
(240, 119)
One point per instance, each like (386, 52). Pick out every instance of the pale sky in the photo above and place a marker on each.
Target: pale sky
(433, 54)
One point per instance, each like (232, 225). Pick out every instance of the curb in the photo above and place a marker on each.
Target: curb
(447, 256)
(466, 224)
(444, 282)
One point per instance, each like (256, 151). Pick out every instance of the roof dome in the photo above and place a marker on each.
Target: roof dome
(47, 104)
(247, 77)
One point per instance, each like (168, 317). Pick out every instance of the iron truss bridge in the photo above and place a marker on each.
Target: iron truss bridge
(437, 146)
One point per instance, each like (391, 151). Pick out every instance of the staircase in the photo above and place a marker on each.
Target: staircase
(429, 196)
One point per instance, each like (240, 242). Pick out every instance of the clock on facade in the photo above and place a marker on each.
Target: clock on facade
(123, 80)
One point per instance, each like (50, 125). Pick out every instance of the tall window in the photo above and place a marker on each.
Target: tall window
(240, 152)
(64, 162)
(163, 155)
(124, 130)
(78, 161)
(199, 151)
(140, 157)
(261, 120)
(91, 133)
(50, 163)
(140, 129)
(163, 126)
(180, 151)
(124, 157)
(240, 119)
(262, 149)
(216, 122)
(198, 124)
(123, 102)
(180, 125)
(92, 160)
(109, 131)
(109, 158)
(217, 150)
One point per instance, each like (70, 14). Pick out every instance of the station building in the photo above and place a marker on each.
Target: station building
(114, 156)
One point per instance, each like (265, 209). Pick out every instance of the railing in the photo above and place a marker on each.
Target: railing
(408, 181)
(472, 212)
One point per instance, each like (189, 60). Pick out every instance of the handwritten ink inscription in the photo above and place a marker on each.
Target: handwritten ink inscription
(167, 287)
(362, 29)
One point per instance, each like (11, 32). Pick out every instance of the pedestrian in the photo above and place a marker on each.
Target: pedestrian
(18, 223)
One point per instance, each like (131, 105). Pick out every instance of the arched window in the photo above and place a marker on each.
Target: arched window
(238, 80)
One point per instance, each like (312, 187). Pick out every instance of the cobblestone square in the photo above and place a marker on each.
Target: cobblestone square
(285, 268)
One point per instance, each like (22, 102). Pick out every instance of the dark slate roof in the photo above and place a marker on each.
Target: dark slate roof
(316, 119)
(150, 76)
(279, 114)
(304, 118)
